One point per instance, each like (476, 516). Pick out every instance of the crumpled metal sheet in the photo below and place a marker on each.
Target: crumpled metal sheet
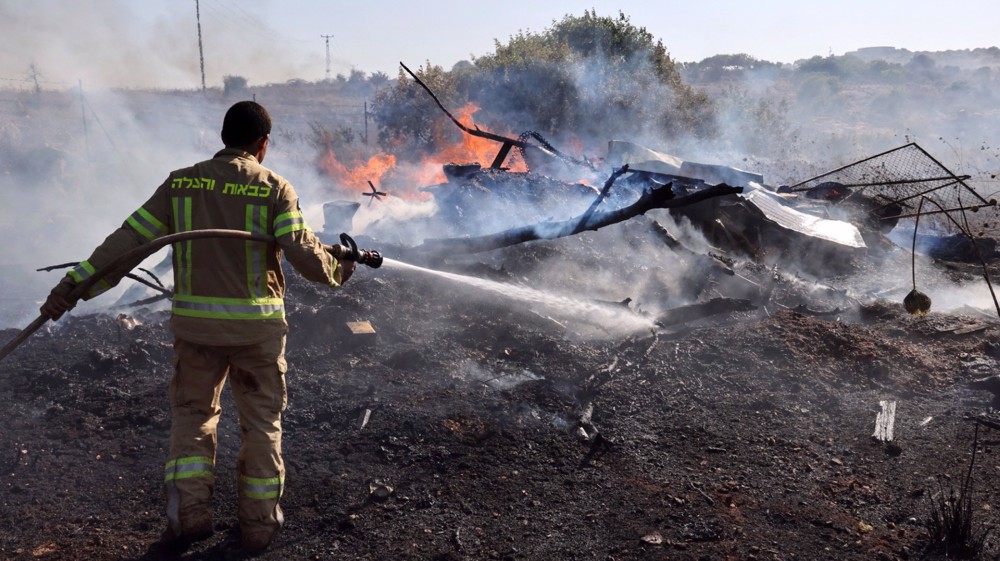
(642, 159)
(770, 204)
(781, 213)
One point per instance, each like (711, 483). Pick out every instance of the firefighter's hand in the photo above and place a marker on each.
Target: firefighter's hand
(55, 306)
(346, 267)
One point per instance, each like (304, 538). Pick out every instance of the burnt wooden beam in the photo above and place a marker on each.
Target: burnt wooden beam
(502, 155)
(600, 197)
(684, 314)
(650, 199)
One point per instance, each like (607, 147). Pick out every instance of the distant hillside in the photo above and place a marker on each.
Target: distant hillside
(845, 107)
(966, 59)
(815, 113)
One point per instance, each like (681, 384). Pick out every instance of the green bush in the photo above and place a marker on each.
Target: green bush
(586, 76)
(233, 85)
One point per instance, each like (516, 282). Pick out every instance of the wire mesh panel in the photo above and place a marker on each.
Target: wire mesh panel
(892, 184)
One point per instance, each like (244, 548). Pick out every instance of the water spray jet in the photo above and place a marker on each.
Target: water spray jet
(601, 316)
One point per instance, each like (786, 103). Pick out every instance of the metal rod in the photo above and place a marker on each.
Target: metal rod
(896, 216)
(979, 254)
(842, 168)
(933, 159)
(950, 178)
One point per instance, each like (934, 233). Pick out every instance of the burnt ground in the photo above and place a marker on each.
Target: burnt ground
(495, 432)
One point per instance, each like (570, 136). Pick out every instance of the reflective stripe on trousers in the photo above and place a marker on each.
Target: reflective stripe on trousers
(180, 469)
(261, 488)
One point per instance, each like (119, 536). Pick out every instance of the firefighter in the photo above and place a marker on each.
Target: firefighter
(228, 320)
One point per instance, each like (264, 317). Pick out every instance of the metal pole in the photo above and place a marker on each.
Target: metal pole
(33, 70)
(201, 53)
(83, 113)
(327, 37)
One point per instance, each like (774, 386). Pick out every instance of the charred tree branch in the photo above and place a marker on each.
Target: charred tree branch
(600, 197)
(506, 142)
(649, 200)
(692, 312)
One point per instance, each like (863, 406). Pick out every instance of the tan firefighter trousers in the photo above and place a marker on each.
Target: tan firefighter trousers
(257, 374)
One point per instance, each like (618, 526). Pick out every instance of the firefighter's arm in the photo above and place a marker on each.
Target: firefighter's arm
(122, 240)
(144, 225)
(345, 268)
(307, 255)
(302, 248)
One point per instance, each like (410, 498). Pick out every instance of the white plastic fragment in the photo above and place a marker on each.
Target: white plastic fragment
(885, 420)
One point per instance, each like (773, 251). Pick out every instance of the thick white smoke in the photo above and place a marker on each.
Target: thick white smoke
(122, 44)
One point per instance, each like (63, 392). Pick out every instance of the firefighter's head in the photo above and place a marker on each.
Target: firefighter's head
(247, 125)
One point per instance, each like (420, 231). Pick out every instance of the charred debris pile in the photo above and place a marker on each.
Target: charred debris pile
(820, 245)
(845, 234)
(874, 229)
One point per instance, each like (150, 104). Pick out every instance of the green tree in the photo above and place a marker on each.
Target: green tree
(592, 74)
(378, 79)
(587, 76)
(233, 85)
(756, 125)
(719, 68)
(408, 120)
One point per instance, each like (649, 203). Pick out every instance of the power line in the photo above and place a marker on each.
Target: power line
(35, 79)
(246, 26)
(234, 9)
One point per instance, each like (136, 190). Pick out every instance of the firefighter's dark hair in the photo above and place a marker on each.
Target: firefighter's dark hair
(245, 123)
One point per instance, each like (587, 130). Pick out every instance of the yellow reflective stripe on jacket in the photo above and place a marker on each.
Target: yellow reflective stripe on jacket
(256, 223)
(288, 223)
(260, 488)
(191, 466)
(146, 224)
(182, 250)
(83, 271)
(228, 308)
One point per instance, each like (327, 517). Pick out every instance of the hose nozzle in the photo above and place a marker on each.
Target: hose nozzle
(348, 249)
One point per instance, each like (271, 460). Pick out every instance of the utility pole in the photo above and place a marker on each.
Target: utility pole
(83, 113)
(33, 73)
(201, 53)
(327, 37)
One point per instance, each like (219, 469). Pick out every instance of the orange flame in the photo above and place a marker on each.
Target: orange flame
(471, 149)
(358, 177)
(429, 171)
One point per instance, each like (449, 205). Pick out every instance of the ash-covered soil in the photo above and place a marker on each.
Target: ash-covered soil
(477, 427)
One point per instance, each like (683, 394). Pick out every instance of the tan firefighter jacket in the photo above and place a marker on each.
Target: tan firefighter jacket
(226, 291)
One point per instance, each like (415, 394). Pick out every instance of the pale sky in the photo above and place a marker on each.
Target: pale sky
(154, 43)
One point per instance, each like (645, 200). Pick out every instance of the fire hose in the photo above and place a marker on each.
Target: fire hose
(346, 250)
